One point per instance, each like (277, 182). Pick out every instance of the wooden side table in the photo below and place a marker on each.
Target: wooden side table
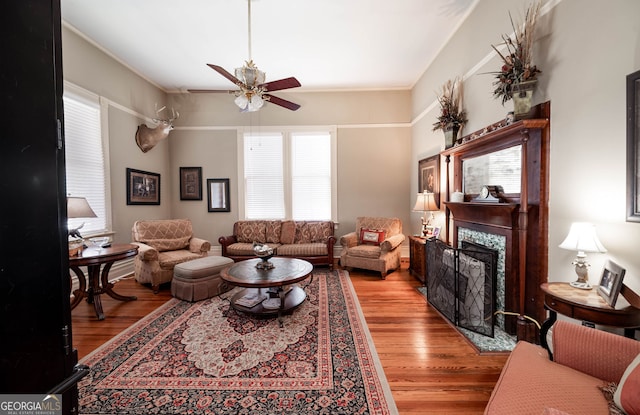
(587, 305)
(418, 258)
(98, 282)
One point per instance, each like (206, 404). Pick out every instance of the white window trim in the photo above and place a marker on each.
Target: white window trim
(286, 130)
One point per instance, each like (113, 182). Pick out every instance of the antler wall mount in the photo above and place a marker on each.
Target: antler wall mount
(147, 138)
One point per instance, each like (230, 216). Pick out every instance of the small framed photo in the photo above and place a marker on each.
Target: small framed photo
(190, 183)
(218, 195)
(143, 187)
(431, 231)
(611, 282)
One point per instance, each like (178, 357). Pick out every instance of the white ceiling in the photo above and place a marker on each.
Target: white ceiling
(325, 44)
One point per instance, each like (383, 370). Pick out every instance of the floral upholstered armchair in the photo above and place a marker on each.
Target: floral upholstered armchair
(374, 245)
(161, 245)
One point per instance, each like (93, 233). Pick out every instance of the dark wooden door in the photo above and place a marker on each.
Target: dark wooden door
(36, 355)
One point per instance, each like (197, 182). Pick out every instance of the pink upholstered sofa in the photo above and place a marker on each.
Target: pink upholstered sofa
(312, 241)
(161, 245)
(584, 359)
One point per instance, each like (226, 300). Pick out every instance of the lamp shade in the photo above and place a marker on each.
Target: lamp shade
(78, 207)
(425, 202)
(582, 238)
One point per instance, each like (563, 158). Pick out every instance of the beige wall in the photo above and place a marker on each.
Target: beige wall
(373, 139)
(585, 50)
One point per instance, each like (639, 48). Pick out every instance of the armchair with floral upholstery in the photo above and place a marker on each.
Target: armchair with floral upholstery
(161, 245)
(374, 245)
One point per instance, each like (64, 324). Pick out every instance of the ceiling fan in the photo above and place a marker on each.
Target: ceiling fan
(253, 90)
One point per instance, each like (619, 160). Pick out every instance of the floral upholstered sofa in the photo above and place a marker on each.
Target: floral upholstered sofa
(312, 241)
(161, 245)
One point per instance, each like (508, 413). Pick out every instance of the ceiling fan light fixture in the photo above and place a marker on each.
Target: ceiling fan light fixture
(255, 103)
(250, 75)
(253, 90)
(249, 101)
(241, 101)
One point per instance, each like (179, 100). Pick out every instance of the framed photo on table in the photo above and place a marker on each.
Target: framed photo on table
(611, 282)
(218, 195)
(429, 177)
(190, 183)
(143, 187)
(431, 231)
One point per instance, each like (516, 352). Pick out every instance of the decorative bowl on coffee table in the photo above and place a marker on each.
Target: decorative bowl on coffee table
(265, 253)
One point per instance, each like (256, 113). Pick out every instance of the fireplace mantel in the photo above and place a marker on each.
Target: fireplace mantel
(504, 215)
(521, 218)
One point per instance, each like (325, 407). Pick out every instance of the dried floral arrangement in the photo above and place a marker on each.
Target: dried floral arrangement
(517, 64)
(451, 112)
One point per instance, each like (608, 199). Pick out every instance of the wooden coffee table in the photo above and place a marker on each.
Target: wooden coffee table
(275, 284)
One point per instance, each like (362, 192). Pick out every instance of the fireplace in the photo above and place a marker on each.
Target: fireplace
(514, 222)
(461, 284)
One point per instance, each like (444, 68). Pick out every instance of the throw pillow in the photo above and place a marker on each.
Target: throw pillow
(303, 233)
(251, 231)
(627, 397)
(371, 236)
(287, 232)
(272, 232)
(320, 231)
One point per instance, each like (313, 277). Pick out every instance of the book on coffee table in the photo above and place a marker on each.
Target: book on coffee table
(250, 300)
(271, 303)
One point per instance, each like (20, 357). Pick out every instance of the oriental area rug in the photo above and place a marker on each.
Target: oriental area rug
(206, 358)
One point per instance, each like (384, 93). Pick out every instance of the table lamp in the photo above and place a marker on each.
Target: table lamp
(78, 207)
(425, 202)
(582, 238)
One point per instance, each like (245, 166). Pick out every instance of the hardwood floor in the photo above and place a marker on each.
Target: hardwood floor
(430, 367)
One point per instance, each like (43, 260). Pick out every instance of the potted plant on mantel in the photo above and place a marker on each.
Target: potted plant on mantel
(452, 117)
(517, 77)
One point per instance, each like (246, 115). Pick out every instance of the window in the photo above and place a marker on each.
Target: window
(288, 174)
(85, 159)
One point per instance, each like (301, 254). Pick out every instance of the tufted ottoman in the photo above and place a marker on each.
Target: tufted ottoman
(199, 279)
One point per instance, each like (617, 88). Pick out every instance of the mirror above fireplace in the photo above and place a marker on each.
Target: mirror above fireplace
(502, 168)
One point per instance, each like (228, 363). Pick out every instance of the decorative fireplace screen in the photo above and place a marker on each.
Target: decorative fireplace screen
(461, 284)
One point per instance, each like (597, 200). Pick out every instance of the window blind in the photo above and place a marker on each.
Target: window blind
(85, 169)
(288, 175)
(264, 176)
(311, 176)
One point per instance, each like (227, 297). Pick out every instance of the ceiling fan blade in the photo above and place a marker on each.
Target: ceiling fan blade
(281, 84)
(201, 91)
(282, 102)
(225, 73)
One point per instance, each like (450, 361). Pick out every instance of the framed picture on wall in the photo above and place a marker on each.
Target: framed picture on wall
(190, 183)
(429, 176)
(143, 187)
(218, 195)
(633, 147)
